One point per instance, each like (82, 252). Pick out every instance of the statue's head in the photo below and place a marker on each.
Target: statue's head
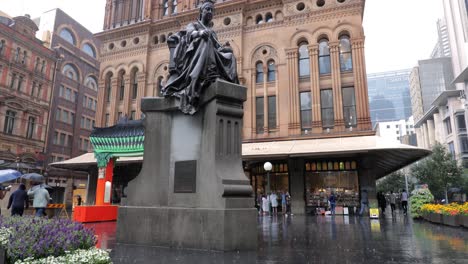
(207, 10)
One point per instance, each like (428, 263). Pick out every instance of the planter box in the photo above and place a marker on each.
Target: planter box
(463, 220)
(450, 220)
(435, 218)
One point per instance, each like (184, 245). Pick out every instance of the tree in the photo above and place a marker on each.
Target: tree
(439, 171)
(392, 182)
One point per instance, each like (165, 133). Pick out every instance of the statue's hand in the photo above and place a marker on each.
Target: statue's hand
(204, 34)
(226, 49)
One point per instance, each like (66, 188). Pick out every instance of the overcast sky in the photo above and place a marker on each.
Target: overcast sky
(398, 32)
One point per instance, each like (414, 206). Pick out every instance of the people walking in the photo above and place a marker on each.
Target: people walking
(274, 202)
(18, 201)
(404, 201)
(392, 201)
(288, 203)
(364, 201)
(283, 202)
(382, 201)
(41, 199)
(332, 200)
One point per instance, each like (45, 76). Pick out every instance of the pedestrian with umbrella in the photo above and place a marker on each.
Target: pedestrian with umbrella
(6, 176)
(41, 195)
(18, 201)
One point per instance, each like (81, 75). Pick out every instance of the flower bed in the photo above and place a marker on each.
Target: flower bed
(41, 240)
(448, 214)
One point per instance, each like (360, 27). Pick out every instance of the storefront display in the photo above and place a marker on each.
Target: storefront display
(279, 178)
(324, 177)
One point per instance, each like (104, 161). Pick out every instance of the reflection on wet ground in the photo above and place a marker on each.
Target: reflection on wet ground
(317, 239)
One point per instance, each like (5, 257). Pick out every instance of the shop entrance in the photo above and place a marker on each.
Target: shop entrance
(322, 177)
(279, 180)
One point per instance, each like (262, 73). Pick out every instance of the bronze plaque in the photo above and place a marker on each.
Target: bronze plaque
(185, 176)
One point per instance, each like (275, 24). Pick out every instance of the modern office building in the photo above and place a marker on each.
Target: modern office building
(26, 81)
(442, 47)
(427, 81)
(389, 96)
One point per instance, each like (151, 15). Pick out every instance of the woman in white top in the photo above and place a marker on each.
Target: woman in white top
(274, 202)
(265, 205)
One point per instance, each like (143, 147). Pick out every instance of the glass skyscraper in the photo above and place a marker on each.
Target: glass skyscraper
(389, 96)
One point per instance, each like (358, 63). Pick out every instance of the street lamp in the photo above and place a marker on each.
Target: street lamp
(267, 166)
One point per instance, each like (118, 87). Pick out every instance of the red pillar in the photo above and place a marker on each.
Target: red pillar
(101, 194)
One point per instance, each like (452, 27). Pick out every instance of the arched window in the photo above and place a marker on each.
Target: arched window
(36, 66)
(134, 81)
(166, 7)
(121, 82)
(25, 56)
(304, 61)
(2, 46)
(259, 19)
(324, 57)
(43, 66)
(174, 6)
(91, 83)
(259, 72)
(70, 71)
(17, 54)
(271, 71)
(108, 85)
(88, 49)
(269, 17)
(67, 35)
(346, 60)
(159, 86)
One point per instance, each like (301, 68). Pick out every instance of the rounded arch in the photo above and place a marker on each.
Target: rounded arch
(346, 29)
(89, 48)
(121, 67)
(299, 36)
(159, 78)
(249, 21)
(278, 15)
(71, 30)
(106, 71)
(91, 82)
(258, 53)
(322, 32)
(161, 69)
(136, 64)
(70, 70)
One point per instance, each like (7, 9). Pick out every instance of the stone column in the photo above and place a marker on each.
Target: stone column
(438, 134)
(113, 101)
(265, 100)
(296, 178)
(127, 94)
(315, 88)
(253, 105)
(99, 116)
(294, 120)
(431, 132)
(366, 176)
(141, 77)
(336, 85)
(360, 85)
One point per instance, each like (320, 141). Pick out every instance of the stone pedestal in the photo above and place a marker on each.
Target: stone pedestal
(192, 191)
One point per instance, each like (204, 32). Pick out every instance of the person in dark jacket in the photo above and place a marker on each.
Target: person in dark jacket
(18, 201)
(382, 201)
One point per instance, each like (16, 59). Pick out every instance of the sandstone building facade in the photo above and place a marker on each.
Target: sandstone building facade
(303, 63)
(26, 74)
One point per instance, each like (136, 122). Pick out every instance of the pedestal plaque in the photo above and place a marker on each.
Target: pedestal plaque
(185, 176)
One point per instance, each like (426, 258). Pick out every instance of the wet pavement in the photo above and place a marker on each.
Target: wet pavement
(317, 239)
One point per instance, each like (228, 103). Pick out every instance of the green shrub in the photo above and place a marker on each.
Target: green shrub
(418, 198)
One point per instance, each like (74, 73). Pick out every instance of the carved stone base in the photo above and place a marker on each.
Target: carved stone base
(192, 191)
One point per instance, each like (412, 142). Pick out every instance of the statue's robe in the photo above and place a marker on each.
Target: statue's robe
(199, 62)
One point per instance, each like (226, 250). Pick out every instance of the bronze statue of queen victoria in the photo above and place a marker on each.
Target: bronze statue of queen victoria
(197, 59)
